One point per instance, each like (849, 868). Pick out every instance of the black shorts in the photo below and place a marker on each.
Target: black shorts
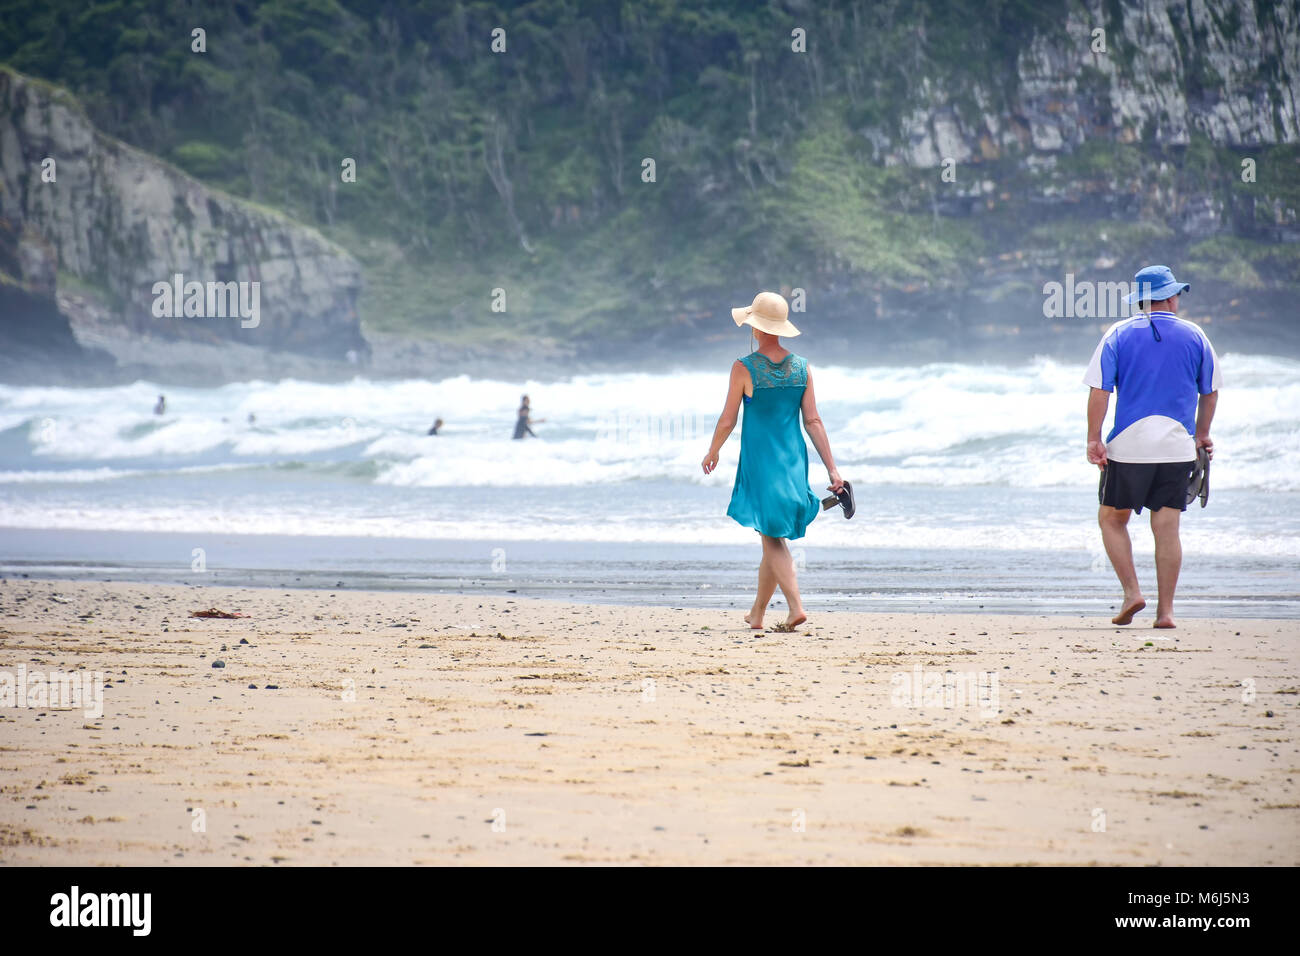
(1136, 485)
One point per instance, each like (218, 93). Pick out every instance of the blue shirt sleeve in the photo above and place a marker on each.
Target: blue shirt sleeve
(1205, 378)
(1109, 364)
(1102, 369)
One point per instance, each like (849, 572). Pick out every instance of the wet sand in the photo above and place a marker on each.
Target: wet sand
(388, 728)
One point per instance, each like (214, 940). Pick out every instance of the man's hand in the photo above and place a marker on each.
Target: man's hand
(1203, 441)
(1097, 453)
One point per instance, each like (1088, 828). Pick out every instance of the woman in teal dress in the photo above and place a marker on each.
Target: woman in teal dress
(771, 493)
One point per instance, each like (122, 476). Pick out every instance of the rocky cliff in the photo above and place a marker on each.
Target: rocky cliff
(1149, 71)
(1121, 132)
(32, 330)
(122, 225)
(922, 169)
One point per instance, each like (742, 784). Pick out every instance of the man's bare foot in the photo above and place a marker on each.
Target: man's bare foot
(1126, 616)
(1165, 620)
(749, 620)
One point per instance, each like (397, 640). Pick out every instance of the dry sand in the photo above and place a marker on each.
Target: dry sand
(496, 731)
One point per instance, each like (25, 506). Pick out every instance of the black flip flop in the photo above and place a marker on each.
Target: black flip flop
(1198, 485)
(843, 498)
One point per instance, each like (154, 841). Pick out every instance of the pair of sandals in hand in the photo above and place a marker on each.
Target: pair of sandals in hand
(1198, 484)
(843, 498)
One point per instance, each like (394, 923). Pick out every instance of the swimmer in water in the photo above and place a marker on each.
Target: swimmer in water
(161, 407)
(524, 420)
(433, 429)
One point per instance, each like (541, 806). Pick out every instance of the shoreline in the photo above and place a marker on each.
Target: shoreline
(668, 574)
(514, 731)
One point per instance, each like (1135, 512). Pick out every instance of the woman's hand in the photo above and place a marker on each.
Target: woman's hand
(837, 483)
(710, 462)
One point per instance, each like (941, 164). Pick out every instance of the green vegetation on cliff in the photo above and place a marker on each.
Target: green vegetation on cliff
(523, 170)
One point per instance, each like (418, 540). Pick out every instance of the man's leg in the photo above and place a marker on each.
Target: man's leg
(1169, 561)
(1119, 548)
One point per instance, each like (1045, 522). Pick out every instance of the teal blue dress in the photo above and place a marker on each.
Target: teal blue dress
(771, 494)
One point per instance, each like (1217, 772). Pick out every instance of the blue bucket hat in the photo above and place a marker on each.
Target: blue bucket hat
(1155, 283)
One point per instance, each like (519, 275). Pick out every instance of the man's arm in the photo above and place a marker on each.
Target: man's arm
(1098, 402)
(1204, 415)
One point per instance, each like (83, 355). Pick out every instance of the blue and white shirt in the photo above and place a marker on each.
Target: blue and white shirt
(1160, 364)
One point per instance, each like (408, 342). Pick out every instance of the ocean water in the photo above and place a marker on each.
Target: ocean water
(970, 482)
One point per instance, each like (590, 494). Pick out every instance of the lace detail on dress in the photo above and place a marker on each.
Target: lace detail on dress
(790, 372)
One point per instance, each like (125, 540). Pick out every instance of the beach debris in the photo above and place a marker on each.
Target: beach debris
(214, 612)
(218, 663)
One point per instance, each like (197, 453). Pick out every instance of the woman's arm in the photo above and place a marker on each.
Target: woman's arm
(812, 423)
(730, 413)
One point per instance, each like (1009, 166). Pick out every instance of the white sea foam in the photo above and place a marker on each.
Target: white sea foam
(947, 425)
(942, 424)
(870, 530)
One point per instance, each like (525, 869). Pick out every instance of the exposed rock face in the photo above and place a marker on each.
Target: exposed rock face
(31, 321)
(122, 221)
(1230, 70)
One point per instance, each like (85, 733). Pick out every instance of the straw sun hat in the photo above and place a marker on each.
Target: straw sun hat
(768, 313)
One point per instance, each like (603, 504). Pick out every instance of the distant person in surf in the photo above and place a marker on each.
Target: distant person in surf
(771, 493)
(160, 408)
(1167, 376)
(524, 419)
(433, 429)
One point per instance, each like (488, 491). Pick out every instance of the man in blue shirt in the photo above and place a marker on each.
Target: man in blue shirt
(1167, 376)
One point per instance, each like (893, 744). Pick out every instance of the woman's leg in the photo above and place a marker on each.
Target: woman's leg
(781, 563)
(766, 586)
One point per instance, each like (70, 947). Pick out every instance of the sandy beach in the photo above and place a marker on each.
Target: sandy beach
(386, 728)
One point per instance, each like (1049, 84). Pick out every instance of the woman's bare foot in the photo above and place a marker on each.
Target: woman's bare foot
(1130, 608)
(750, 620)
(794, 620)
(1166, 620)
